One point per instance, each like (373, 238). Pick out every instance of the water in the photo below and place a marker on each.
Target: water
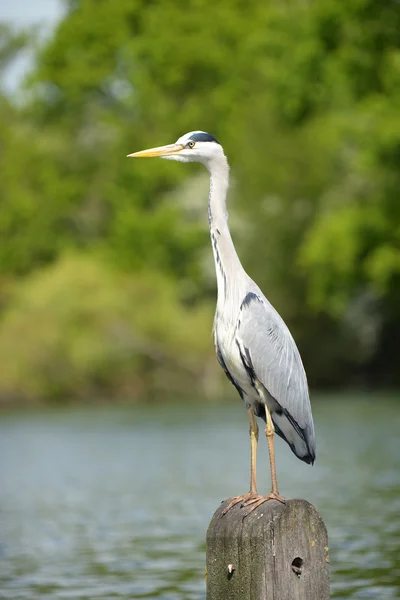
(114, 503)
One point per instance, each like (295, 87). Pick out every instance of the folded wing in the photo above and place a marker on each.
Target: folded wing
(268, 348)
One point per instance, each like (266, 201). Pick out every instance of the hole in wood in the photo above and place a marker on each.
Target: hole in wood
(297, 564)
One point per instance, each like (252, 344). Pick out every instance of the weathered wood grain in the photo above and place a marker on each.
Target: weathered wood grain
(278, 552)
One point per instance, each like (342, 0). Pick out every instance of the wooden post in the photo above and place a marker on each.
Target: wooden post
(278, 552)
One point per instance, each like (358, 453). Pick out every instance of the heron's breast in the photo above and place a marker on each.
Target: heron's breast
(231, 355)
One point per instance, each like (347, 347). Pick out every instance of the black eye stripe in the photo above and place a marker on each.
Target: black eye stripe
(202, 136)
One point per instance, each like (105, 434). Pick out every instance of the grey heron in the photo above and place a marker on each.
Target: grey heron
(253, 344)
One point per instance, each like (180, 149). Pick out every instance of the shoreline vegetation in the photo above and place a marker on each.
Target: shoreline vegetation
(107, 286)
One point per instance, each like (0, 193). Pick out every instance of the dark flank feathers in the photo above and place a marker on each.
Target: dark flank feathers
(202, 136)
(259, 411)
(229, 376)
(307, 458)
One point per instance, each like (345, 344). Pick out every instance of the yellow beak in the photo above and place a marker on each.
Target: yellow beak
(160, 151)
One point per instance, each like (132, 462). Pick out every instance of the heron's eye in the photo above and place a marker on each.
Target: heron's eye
(191, 144)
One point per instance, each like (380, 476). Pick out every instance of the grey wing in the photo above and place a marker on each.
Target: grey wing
(268, 349)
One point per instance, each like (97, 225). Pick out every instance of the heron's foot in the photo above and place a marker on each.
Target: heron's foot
(256, 502)
(242, 500)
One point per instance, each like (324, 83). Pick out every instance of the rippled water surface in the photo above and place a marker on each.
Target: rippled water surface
(115, 503)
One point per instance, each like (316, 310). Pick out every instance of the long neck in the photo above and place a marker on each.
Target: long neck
(227, 264)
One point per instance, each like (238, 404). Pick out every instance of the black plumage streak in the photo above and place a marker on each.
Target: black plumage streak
(202, 136)
(218, 258)
(210, 216)
(227, 373)
(246, 360)
(249, 298)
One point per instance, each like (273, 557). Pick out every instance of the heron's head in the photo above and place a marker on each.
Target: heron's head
(195, 146)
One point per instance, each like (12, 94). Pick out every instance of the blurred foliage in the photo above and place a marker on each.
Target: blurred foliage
(78, 328)
(305, 98)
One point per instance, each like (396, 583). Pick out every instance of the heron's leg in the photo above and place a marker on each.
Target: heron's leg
(253, 451)
(274, 494)
(269, 432)
(252, 495)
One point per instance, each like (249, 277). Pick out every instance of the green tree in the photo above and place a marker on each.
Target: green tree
(304, 98)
